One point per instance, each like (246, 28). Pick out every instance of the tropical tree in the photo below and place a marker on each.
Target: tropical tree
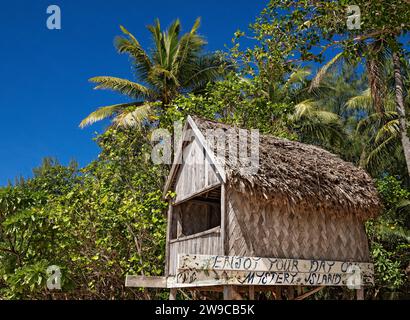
(378, 132)
(371, 120)
(381, 63)
(400, 106)
(176, 65)
(96, 224)
(292, 32)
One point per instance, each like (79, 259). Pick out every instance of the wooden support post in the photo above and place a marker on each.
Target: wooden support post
(224, 238)
(173, 294)
(278, 293)
(360, 294)
(231, 293)
(169, 225)
(228, 292)
(180, 228)
(251, 292)
(291, 293)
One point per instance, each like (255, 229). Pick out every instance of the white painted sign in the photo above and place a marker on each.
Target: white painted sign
(226, 270)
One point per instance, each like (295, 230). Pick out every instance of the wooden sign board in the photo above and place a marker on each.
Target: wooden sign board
(230, 270)
(145, 281)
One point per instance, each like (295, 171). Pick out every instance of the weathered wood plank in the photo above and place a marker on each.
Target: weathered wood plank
(360, 294)
(269, 278)
(173, 294)
(190, 150)
(215, 230)
(176, 164)
(223, 219)
(169, 224)
(251, 293)
(210, 202)
(308, 294)
(204, 144)
(196, 194)
(195, 172)
(192, 246)
(235, 263)
(145, 282)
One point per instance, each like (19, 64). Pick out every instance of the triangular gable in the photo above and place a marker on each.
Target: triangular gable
(198, 170)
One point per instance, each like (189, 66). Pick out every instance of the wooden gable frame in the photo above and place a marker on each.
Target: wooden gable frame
(178, 160)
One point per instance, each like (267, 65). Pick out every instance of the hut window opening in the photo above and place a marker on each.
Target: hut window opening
(197, 215)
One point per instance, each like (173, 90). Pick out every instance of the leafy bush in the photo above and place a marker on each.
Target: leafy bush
(97, 224)
(389, 237)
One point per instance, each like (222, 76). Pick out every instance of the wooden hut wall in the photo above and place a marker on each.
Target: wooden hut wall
(196, 173)
(265, 229)
(190, 232)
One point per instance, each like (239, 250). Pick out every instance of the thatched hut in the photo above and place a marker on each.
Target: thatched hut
(302, 204)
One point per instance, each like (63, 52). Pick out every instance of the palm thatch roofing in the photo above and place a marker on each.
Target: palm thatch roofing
(299, 174)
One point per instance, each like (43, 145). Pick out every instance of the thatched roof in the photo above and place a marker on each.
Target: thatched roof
(302, 173)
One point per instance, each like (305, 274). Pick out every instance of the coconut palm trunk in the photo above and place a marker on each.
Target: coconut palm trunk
(399, 90)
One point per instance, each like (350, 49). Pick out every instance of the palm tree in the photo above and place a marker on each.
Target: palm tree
(316, 125)
(370, 118)
(368, 114)
(400, 106)
(377, 55)
(176, 65)
(378, 132)
(311, 119)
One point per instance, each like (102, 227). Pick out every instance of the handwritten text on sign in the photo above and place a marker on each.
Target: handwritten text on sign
(204, 269)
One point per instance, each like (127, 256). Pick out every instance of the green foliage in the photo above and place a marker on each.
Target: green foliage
(97, 224)
(388, 272)
(389, 237)
(290, 31)
(238, 101)
(272, 108)
(392, 191)
(106, 220)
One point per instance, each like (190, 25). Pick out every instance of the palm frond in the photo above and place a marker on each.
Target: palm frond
(327, 116)
(380, 153)
(403, 204)
(142, 62)
(318, 131)
(390, 129)
(104, 113)
(159, 72)
(157, 35)
(375, 121)
(133, 117)
(176, 64)
(208, 68)
(126, 87)
(320, 75)
(388, 230)
(190, 45)
(298, 76)
(170, 42)
(389, 102)
(304, 109)
(361, 102)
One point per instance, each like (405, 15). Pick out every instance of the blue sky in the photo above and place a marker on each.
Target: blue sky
(44, 92)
